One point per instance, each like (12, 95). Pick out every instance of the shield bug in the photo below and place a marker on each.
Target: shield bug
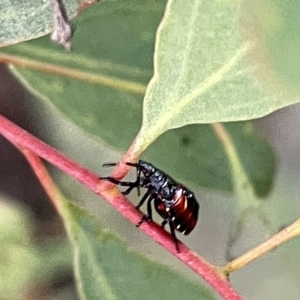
(175, 203)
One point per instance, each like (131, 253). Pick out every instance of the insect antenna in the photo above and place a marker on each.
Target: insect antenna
(107, 165)
(132, 164)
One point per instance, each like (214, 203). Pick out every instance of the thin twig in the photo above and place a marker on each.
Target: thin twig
(281, 237)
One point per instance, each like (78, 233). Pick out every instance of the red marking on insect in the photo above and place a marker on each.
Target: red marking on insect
(175, 203)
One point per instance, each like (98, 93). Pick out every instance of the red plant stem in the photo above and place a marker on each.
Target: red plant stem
(42, 174)
(23, 139)
(108, 192)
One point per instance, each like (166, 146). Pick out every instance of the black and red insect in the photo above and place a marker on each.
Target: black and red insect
(175, 203)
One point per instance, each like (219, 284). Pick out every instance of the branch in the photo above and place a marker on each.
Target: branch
(277, 239)
(24, 140)
(58, 70)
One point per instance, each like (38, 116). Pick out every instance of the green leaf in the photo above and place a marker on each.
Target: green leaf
(193, 153)
(278, 38)
(106, 269)
(22, 262)
(115, 41)
(112, 40)
(201, 75)
(18, 261)
(25, 20)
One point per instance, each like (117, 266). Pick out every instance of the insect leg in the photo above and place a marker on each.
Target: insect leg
(164, 222)
(121, 183)
(147, 217)
(143, 200)
(173, 235)
(137, 184)
(126, 192)
(149, 207)
(131, 185)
